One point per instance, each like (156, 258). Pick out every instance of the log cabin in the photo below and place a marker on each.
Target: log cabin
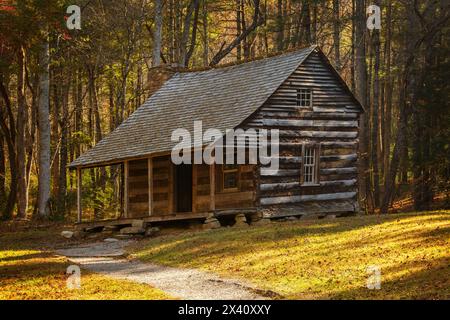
(299, 93)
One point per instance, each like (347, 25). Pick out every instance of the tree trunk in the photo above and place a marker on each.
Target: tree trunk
(177, 30)
(171, 31)
(186, 30)
(389, 83)
(138, 90)
(296, 36)
(375, 107)
(404, 163)
(406, 83)
(112, 109)
(56, 79)
(44, 133)
(336, 35)
(121, 101)
(10, 138)
(287, 25)
(31, 136)
(369, 178)
(22, 120)
(422, 188)
(78, 88)
(306, 21)
(157, 34)
(417, 158)
(244, 30)
(352, 57)
(62, 190)
(238, 29)
(98, 128)
(205, 33)
(314, 21)
(2, 171)
(389, 184)
(361, 94)
(193, 43)
(280, 26)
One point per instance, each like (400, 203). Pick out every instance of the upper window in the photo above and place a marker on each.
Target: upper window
(230, 176)
(304, 97)
(310, 162)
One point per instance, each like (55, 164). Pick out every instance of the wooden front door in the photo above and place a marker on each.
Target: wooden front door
(183, 188)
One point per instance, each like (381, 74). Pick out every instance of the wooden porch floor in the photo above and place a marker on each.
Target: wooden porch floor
(160, 218)
(128, 221)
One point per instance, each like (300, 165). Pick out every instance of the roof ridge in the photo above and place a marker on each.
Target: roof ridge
(270, 55)
(264, 59)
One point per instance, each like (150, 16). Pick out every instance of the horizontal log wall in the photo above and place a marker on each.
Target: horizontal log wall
(138, 188)
(161, 185)
(332, 122)
(203, 198)
(244, 197)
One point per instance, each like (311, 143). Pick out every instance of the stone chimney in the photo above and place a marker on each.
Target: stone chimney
(156, 78)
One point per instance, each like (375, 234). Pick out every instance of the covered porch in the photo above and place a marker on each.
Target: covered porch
(155, 190)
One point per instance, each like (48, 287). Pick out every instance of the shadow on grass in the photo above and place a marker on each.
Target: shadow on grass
(33, 240)
(437, 232)
(212, 244)
(18, 264)
(297, 251)
(40, 266)
(21, 257)
(431, 282)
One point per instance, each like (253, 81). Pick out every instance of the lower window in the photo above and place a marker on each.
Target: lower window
(230, 177)
(310, 164)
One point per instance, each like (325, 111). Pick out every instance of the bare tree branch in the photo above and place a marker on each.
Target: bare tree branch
(258, 20)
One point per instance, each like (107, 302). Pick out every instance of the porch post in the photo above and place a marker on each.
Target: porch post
(150, 186)
(171, 187)
(194, 187)
(212, 185)
(79, 210)
(125, 189)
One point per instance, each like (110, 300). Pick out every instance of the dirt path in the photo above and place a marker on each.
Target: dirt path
(107, 258)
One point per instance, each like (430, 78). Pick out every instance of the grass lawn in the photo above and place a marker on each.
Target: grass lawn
(322, 259)
(28, 270)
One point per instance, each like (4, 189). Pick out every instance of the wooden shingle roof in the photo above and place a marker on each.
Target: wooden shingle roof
(222, 98)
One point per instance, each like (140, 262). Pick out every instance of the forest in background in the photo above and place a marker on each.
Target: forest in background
(62, 91)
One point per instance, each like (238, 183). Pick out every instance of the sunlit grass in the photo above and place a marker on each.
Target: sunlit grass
(29, 271)
(322, 259)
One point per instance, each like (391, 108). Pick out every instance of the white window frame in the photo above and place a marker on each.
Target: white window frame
(302, 94)
(310, 165)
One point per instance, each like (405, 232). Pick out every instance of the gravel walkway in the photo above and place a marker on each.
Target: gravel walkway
(106, 258)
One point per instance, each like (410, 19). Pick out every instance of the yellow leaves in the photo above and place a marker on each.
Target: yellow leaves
(321, 259)
(34, 274)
